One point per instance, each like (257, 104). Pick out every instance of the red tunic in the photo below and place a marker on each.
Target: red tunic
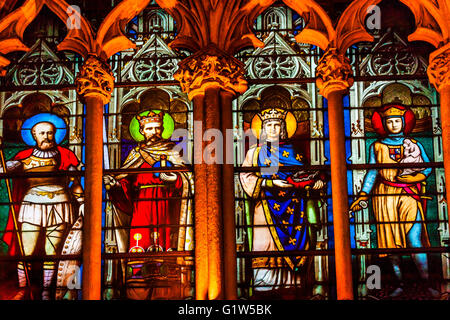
(149, 197)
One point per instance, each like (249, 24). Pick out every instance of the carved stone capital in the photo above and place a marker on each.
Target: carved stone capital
(333, 72)
(95, 80)
(210, 68)
(439, 67)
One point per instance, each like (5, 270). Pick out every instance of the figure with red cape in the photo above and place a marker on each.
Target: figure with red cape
(152, 204)
(44, 206)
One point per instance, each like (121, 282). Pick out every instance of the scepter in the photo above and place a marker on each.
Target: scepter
(13, 212)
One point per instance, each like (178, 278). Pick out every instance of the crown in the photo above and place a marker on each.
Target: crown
(272, 114)
(393, 111)
(151, 118)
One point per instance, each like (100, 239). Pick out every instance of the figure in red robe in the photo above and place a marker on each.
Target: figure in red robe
(148, 197)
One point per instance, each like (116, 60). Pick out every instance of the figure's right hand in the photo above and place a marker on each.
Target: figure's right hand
(109, 180)
(282, 183)
(356, 206)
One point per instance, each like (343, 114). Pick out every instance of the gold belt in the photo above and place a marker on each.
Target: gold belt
(268, 262)
(50, 194)
(151, 186)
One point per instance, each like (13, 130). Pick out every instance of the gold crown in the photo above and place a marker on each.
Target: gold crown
(272, 114)
(392, 112)
(151, 118)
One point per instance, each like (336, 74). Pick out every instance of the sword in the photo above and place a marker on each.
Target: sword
(16, 229)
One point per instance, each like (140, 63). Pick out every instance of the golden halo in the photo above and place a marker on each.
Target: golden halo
(291, 123)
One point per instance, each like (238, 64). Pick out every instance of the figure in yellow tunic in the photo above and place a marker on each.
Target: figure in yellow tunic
(399, 206)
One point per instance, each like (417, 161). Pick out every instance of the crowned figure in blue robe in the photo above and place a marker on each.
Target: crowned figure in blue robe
(285, 206)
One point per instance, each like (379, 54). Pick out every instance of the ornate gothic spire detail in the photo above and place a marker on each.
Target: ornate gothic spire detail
(95, 79)
(439, 67)
(225, 23)
(433, 26)
(12, 27)
(214, 31)
(108, 40)
(431, 21)
(266, 62)
(40, 66)
(209, 68)
(333, 72)
(320, 30)
(155, 61)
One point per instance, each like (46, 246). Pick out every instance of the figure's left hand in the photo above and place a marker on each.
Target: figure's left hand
(168, 176)
(409, 178)
(319, 184)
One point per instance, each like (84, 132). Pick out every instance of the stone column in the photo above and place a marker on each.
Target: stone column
(334, 77)
(94, 85)
(212, 78)
(229, 217)
(439, 75)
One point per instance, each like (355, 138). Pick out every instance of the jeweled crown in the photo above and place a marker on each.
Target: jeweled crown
(152, 117)
(393, 112)
(272, 114)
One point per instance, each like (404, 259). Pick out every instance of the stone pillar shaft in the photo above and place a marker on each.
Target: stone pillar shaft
(340, 196)
(229, 218)
(92, 229)
(334, 77)
(211, 79)
(439, 75)
(445, 123)
(201, 206)
(94, 85)
(214, 192)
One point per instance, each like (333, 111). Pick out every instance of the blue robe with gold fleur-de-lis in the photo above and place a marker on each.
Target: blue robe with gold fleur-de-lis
(284, 208)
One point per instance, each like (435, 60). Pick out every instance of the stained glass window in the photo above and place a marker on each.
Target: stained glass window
(285, 244)
(284, 232)
(147, 227)
(148, 213)
(389, 71)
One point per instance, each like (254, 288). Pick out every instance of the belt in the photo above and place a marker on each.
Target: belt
(407, 188)
(145, 186)
(398, 185)
(50, 194)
